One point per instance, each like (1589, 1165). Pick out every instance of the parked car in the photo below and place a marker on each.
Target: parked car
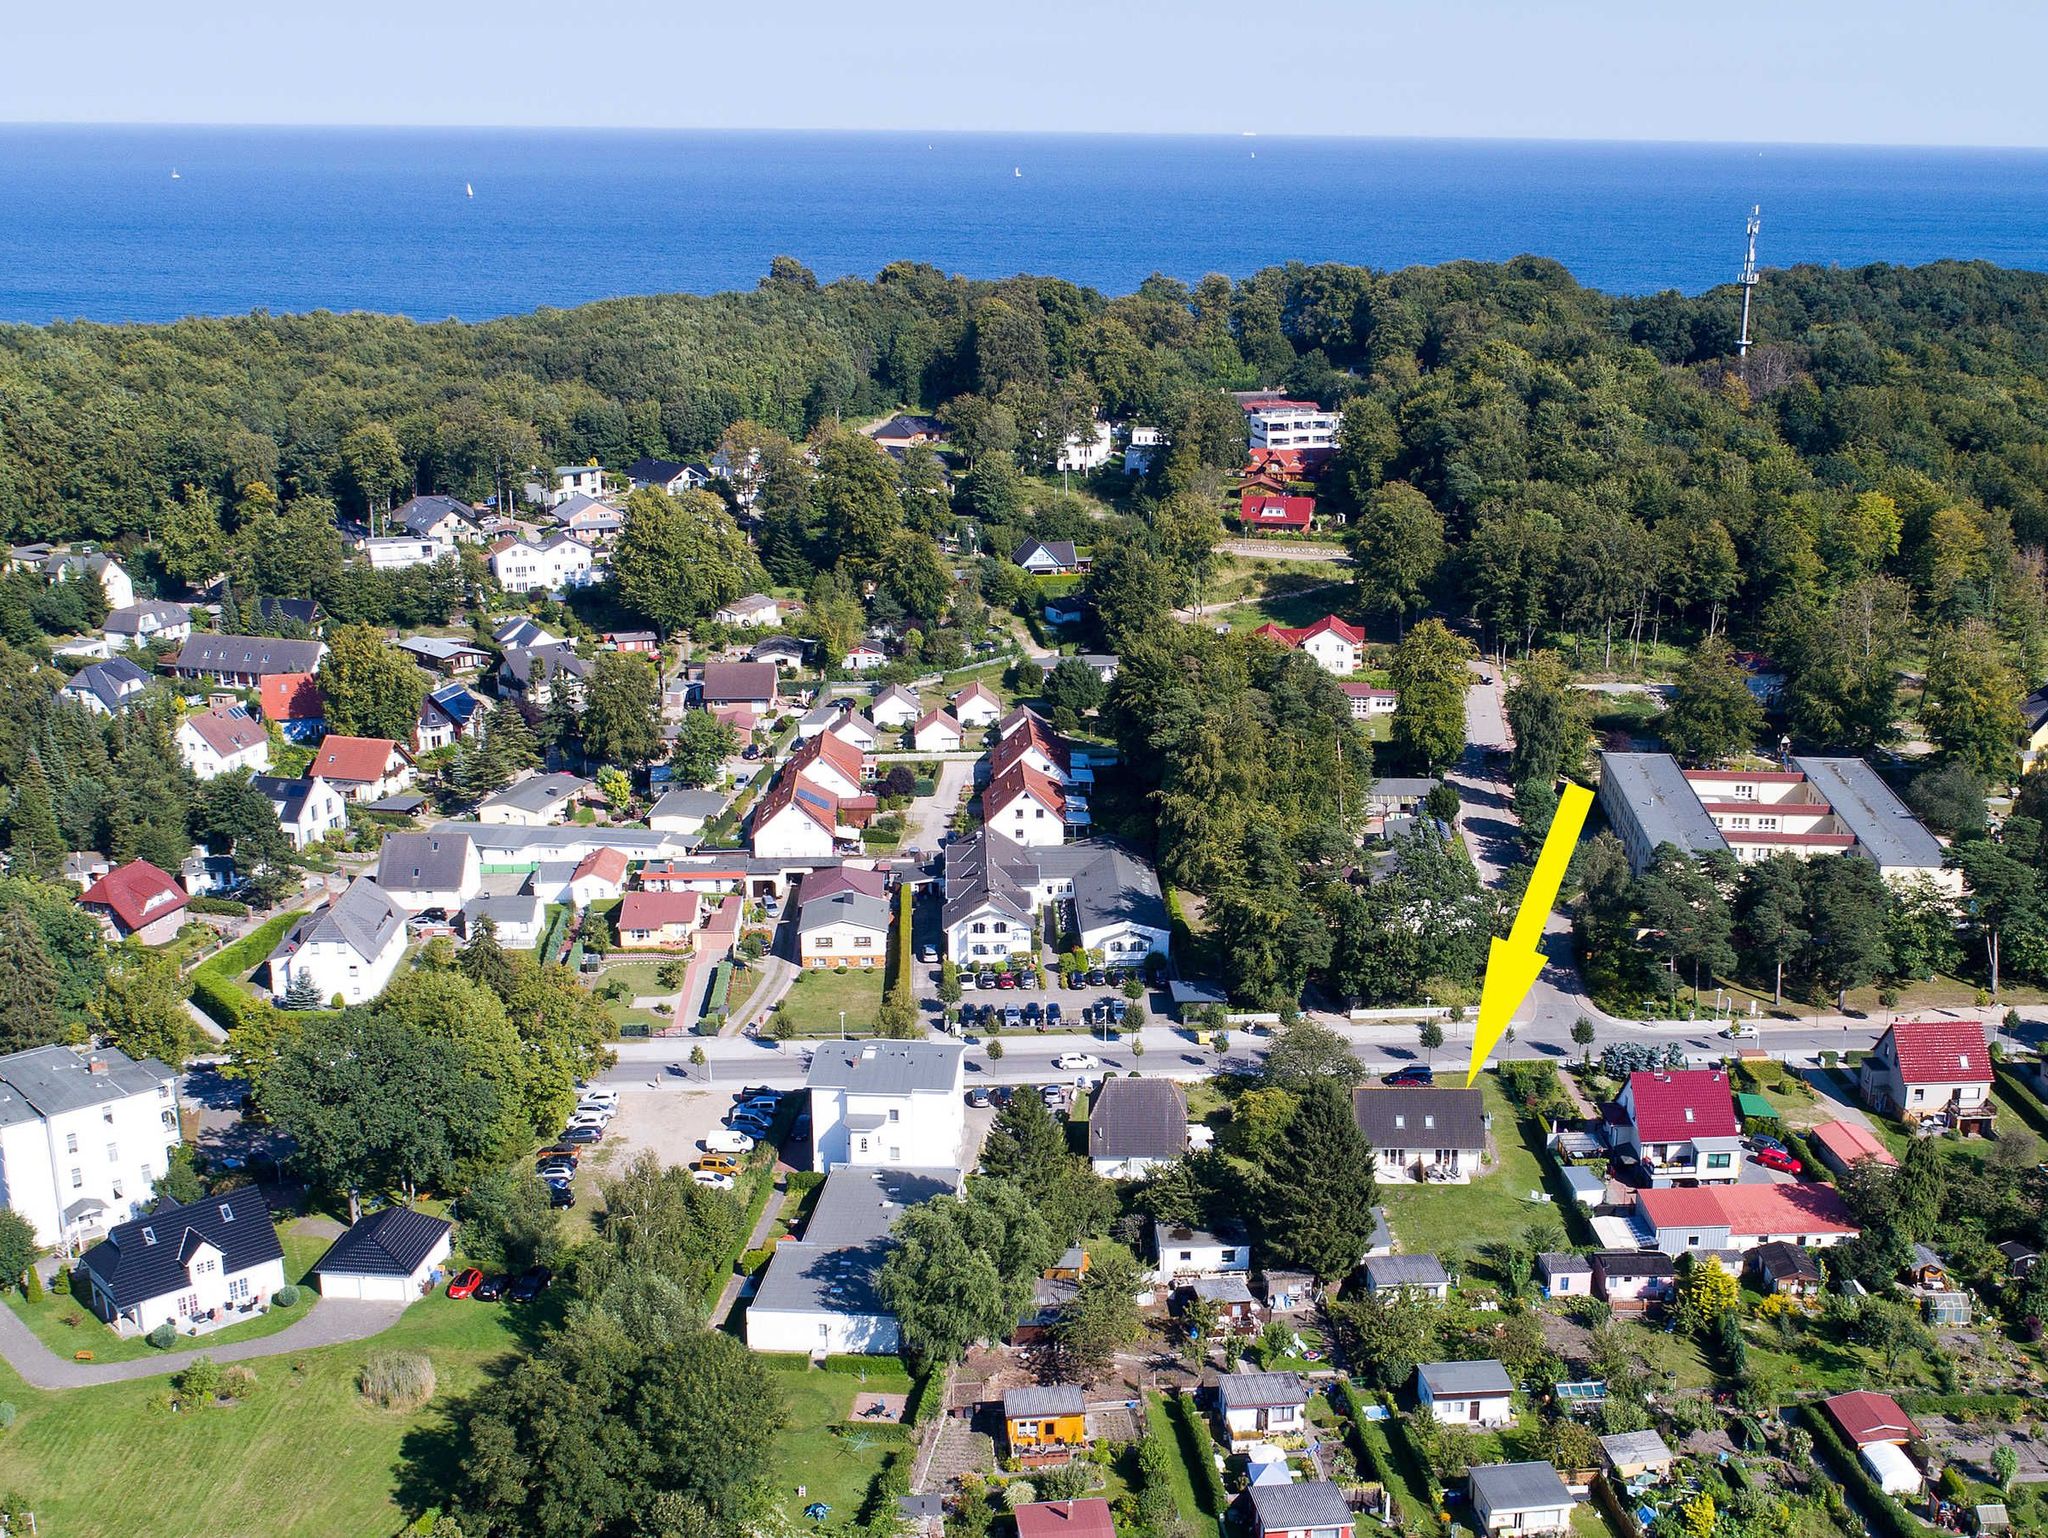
(1097, 978)
(977, 1097)
(1777, 1159)
(1054, 1095)
(1068, 1062)
(1000, 1094)
(1033, 1013)
(984, 979)
(531, 1285)
(490, 1289)
(1006, 979)
(718, 1163)
(1758, 1141)
(1117, 1010)
(561, 1194)
(568, 1151)
(597, 1094)
(1410, 1073)
(1028, 978)
(729, 1142)
(1052, 1013)
(1742, 1029)
(583, 1135)
(1013, 1019)
(556, 1169)
(928, 954)
(465, 1282)
(713, 1179)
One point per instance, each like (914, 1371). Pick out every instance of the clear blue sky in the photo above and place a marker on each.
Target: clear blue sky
(1827, 71)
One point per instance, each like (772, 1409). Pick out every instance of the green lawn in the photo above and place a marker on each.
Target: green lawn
(814, 1002)
(67, 1326)
(643, 977)
(831, 1459)
(304, 1457)
(1160, 1423)
(1444, 1220)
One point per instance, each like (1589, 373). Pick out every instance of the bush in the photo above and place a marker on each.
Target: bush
(238, 1382)
(164, 1336)
(397, 1380)
(199, 1384)
(286, 1296)
(220, 906)
(7, 1413)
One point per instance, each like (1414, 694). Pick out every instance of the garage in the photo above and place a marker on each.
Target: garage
(387, 1257)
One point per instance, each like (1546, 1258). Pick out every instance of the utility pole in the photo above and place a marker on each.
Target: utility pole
(1748, 278)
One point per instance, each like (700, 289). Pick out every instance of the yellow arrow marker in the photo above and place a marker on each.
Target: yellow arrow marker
(1514, 964)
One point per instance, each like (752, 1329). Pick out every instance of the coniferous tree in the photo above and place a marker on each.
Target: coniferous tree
(33, 837)
(302, 992)
(509, 740)
(29, 1016)
(483, 960)
(1319, 1188)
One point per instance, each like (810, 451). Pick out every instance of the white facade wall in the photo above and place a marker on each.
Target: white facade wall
(1459, 1410)
(792, 833)
(816, 1330)
(915, 1129)
(111, 1153)
(337, 968)
(1025, 820)
(209, 1287)
(208, 764)
(386, 1289)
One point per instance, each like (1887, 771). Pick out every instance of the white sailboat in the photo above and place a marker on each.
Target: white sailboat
(468, 191)
(174, 174)
(1016, 170)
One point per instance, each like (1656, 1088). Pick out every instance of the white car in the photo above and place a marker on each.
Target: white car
(597, 1094)
(1740, 1030)
(729, 1142)
(556, 1172)
(1073, 1061)
(713, 1179)
(589, 1119)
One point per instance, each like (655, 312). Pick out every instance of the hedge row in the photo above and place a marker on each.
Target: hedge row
(220, 906)
(1887, 1516)
(247, 953)
(1375, 1458)
(1197, 1451)
(2021, 1099)
(1966, 1407)
(927, 1398)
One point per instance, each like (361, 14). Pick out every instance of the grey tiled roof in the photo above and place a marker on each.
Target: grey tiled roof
(1420, 1116)
(832, 1269)
(1290, 1507)
(392, 1242)
(1519, 1486)
(1405, 1271)
(147, 1257)
(364, 918)
(1138, 1119)
(49, 1081)
(1460, 1380)
(1042, 1399)
(538, 792)
(1254, 1390)
(1867, 807)
(423, 862)
(885, 1067)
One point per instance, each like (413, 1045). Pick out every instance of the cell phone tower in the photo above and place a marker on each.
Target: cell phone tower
(1748, 278)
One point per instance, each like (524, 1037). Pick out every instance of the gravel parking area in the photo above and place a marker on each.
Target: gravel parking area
(669, 1123)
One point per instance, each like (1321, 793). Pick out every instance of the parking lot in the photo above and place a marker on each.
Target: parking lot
(671, 1124)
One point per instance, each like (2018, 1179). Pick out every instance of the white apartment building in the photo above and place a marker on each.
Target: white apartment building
(887, 1103)
(218, 741)
(559, 562)
(348, 949)
(1285, 424)
(82, 1138)
(395, 552)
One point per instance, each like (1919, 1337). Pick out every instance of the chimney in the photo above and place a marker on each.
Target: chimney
(95, 1065)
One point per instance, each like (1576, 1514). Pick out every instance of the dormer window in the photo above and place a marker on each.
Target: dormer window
(1400, 1121)
(227, 1213)
(149, 1236)
(1429, 1121)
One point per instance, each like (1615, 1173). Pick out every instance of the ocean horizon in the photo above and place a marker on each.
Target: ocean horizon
(437, 223)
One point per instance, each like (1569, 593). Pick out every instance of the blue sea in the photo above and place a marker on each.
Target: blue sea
(94, 225)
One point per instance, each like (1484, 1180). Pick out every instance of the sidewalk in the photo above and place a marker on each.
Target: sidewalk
(771, 1211)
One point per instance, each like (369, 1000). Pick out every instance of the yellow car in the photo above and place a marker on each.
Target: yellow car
(718, 1164)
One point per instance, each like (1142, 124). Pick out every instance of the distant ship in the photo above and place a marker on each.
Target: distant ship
(174, 174)
(468, 190)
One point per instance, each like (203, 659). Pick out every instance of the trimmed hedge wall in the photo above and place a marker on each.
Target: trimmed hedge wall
(1887, 1516)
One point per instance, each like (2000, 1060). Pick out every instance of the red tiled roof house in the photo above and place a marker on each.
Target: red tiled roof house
(1931, 1068)
(136, 899)
(1680, 1124)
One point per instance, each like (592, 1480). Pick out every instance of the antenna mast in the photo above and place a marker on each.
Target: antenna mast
(1748, 278)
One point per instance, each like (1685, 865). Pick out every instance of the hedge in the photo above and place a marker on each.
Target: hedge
(899, 983)
(247, 953)
(2021, 1099)
(1887, 1517)
(1967, 1407)
(1370, 1447)
(218, 905)
(1197, 1451)
(927, 1398)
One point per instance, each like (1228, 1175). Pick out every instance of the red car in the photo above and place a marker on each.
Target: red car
(465, 1282)
(1777, 1159)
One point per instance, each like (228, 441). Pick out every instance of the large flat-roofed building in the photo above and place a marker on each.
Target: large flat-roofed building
(1819, 806)
(887, 1103)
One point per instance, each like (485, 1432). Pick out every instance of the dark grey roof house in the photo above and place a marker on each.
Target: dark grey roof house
(1134, 1124)
(1316, 1509)
(221, 1250)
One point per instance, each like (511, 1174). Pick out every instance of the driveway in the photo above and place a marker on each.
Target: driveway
(333, 1322)
(930, 816)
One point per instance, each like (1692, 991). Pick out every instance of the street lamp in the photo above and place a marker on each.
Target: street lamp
(842, 1025)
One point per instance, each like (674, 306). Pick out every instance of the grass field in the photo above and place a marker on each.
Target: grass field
(813, 1003)
(831, 1458)
(304, 1457)
(48, 1316)
(1160, 1422)
(1444, 1220)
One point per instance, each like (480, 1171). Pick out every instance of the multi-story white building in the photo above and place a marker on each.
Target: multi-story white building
(555, 564)
(83, 1136)
(1277, 423)
(996, 889)
(564, 482)
(347, 950)
(395, 552)
(229, 737)
(887, 1103)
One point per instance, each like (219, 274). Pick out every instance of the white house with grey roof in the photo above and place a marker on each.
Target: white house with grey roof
(519, 918)
(347, 950)
(1255, 1406)
(1310, 1510)
(843, 929)
(819, 1294)
(1136, 1125)
(534, 802)
(199, 1266)
(107, 688)
(439, 868)
(1421, 1132)
(894, 1103)
(1420, 1276)
(1520, 1498)
(1817, 806)
(1182, 1253)
(1466, 1393)
(83, 1136)
(995, 889)
(307, 810)
(684, 811)
(152, 622)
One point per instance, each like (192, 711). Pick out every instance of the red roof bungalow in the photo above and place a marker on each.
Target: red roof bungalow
(136, 899)
(1680, 1123)
(1843, 1145)
(659, 918)
(1289, 515)
(1867, 1419)
(1065, 1519)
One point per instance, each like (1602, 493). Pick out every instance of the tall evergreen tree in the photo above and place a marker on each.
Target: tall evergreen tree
(1317, 1194)
(509, 739)
(33, 837)
(29, 1016)
(483, 960)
